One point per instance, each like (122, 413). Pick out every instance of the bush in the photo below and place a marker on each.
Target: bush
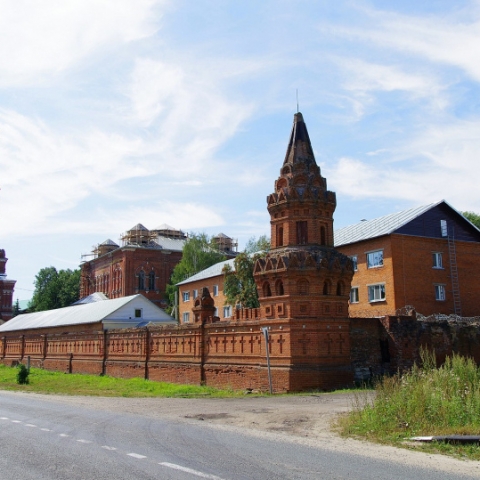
(22, 374)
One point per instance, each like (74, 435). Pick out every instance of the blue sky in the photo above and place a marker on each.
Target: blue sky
(119, 112)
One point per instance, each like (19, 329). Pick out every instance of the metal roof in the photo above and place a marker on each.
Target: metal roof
(75, 314)
(378, 226)
(94, 297)
(108, 241)
(167, 243)
(213, 271)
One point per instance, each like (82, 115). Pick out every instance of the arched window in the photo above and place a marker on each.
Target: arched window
(279, 287)
(323, 236)
(141, 280)
(266, 290)
(339, 288)
(303, 286)
(326, 287)
(151, 280)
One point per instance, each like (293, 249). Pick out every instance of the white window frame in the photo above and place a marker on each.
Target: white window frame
(440, 293)
(437, 259)
(375, 258)
(186, 296)
(195, 294)
(354, 295)
(138, 313)
(376, 293)
(215, 290)
(354, 259)
(186, 317)
(227, 311)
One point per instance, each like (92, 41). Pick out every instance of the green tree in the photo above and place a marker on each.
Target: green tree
(254, 245)
(198, 253)
(55, 289)
(473, 217)
(239, 286)
(16, 308)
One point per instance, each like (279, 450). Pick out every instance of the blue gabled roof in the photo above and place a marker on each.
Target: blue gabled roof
(377, 227)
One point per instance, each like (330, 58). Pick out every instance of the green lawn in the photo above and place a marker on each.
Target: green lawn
(44, 381)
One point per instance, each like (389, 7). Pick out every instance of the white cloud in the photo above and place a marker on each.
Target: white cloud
(40, 38)
(439, 163)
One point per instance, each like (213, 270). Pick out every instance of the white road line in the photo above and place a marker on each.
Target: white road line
(30, 425)
(81, 440)
(4, 418)
(106, 447)
(45, 430)
(136, 455)
(16, 421)
(190, 470)
(63, 435)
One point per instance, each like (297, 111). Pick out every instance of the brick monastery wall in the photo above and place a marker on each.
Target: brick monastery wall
(232, 354)
(393, 343)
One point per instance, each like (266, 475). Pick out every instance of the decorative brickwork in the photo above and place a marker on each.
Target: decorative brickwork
(6, 290)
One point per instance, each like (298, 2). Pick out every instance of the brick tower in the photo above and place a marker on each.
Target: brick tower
(303, 281)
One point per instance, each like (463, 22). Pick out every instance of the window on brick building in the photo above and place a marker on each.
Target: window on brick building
(186, 317)
(440, 293)
(354, 259)
(326, 287)
(376, 293)
(279, 236)
(303, 286)
(267, 292)
(354, 298)
(141, 280)
(302, 232)
(375, 259)
(195, 293)
(186, 296)
(227, 311)
(340, 288)
(151, 280)
(437, 259)
(279, 287)
(215, 290)
(323, 236)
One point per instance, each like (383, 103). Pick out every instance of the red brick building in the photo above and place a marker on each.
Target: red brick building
(7, 287)
(427, 258)
(143, 264)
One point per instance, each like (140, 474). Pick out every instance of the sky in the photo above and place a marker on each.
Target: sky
(121, 112)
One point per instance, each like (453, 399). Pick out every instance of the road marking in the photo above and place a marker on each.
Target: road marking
(30, 425)
(136, 455)
(16, 421)
(81, 440)
(63, 435)
(190, 470)
(45, 430)
(106, 447)
(3, 418)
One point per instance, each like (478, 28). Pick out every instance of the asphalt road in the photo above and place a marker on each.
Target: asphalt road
(41, 439)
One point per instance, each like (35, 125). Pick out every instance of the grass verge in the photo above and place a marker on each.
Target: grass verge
(423, 402)
(44, 381)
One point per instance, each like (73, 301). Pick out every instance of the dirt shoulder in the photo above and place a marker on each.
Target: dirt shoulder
(303, 419)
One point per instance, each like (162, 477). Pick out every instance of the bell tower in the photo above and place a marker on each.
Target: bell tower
(303, 282)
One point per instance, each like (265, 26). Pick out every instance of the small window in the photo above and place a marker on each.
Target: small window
(375, 259)
(227, 311)
(354, 295)
(444, 228)
(376, 293)
(215, 290)
(186, 296)
(354, 259)
(195, 293)
(138, 313)
(186, 317)
(437, 260)
(302, 233)
(151, 280)
(440, 293)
